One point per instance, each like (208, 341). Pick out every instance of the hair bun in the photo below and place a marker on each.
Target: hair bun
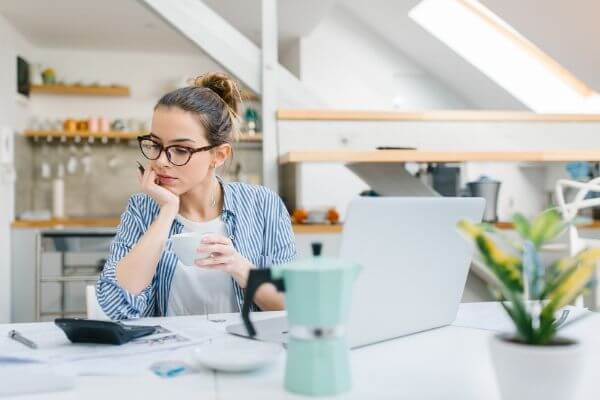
(223, 85)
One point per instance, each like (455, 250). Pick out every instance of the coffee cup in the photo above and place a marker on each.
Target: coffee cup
(185, 246)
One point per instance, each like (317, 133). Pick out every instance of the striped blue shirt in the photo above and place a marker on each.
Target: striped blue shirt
(257, 223)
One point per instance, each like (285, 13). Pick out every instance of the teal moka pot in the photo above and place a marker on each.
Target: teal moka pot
(318, 294)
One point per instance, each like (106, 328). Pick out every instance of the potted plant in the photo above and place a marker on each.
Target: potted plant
(533, 362)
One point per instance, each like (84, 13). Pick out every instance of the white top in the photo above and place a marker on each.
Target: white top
(197, 290)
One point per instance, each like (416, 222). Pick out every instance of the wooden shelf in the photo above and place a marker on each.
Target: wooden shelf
(433, 116)
(317, 228)
(126, 135)
(386, 156)
(245, 138)
(595, 224)
(81, 90)
(338, 228)
(67, 222)
(298, 228)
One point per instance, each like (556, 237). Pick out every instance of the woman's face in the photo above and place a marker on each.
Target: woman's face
(173, 126)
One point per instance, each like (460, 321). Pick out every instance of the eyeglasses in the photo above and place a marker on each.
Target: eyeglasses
(176, 154)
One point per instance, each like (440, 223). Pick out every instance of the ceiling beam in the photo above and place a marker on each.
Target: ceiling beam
(230, 48)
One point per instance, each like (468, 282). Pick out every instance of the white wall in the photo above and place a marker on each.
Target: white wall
(349, 66)
(13, 114)
(148, 75)
(524, 186)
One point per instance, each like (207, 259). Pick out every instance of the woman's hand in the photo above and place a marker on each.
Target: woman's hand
(164, 197)
(224, 257)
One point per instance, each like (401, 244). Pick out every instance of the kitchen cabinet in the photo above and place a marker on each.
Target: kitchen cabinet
(51, 268)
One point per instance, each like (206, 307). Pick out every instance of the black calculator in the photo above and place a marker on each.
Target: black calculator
(81, 330)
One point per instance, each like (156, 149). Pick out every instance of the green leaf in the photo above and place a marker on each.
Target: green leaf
(547, 330)
(518, 313)
(557, 274)
(521, 225)
(507, 269)
(533, 271)
(546, 227)
(515, 244)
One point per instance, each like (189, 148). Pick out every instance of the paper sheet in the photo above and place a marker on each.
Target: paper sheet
(491, 316)
(53, 345)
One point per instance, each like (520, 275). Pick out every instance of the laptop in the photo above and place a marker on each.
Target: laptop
(415, 266)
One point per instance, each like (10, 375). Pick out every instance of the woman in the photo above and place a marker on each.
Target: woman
(192, 131)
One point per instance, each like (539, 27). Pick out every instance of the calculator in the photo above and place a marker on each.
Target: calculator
(81, 330)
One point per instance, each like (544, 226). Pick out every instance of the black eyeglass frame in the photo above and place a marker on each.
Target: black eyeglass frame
(191, 151)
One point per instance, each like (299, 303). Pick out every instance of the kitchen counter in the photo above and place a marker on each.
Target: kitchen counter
(298, 228)
(90, 223)
(67, 222)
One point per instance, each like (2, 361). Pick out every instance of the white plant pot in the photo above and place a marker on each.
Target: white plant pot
(526, 372)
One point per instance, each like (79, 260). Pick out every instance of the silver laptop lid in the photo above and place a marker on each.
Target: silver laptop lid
(415, 263)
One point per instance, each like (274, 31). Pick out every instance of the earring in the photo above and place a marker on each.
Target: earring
(213, 202)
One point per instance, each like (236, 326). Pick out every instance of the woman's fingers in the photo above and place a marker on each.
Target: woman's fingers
(145, 177)
(213, 261)
(215, 238)
(215, 248)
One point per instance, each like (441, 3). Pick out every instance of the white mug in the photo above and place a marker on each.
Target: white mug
(185, 246)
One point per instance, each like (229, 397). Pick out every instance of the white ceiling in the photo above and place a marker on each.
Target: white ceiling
(389, 19)
(568, 31)
(296, 18)
(129, 25)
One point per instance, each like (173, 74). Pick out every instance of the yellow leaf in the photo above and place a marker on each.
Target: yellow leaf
(576, 282)
(508, 264)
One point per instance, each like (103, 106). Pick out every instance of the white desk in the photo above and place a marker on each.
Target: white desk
(446, 363)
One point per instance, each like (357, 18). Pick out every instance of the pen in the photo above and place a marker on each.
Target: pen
(21, 339)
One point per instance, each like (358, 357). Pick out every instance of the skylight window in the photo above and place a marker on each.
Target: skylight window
(505, 56)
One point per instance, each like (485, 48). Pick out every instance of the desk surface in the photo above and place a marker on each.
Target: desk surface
(447, 363)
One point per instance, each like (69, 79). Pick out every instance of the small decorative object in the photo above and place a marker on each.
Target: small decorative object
(103, 124)
(488, 189)
(533, 362)
(131, 124)
(299, 216)
(70, 125)
(93, 125)
(49, 76)
(317, 216)
(333, 216)
(58, 193)
(579, 171)
(118, 125)
(82, 126)
(251, 118)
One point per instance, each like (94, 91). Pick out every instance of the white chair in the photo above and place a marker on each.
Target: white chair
(569, 210)
(93, 309)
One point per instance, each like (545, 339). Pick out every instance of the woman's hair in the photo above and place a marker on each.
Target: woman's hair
(213, 98)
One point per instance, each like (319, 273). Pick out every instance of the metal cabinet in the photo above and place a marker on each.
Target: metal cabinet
(67, 261)
(51, 268)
